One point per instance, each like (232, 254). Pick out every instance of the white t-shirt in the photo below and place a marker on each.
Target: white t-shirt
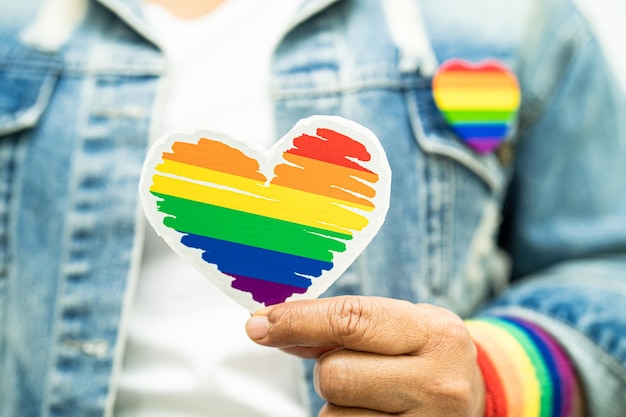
(187, 352)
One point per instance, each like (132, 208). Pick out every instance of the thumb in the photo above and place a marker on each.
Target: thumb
(370, 324)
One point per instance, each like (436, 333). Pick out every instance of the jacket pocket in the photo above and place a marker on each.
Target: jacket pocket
(27, 79)
(436, 138)
(461, 202)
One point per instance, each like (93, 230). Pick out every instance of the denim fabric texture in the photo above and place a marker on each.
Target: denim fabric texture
(74, 125)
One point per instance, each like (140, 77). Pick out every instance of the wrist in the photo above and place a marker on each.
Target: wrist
(483, 399)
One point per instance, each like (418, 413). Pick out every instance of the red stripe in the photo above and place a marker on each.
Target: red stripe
(331, 147)
(489, 65)
(495, 397)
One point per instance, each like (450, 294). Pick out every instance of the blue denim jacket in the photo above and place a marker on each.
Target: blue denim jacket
(74, 120)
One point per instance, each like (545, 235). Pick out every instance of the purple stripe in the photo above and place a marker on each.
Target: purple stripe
(483, 145)
(265, 292)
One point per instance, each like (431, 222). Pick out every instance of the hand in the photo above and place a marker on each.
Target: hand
(379, 356)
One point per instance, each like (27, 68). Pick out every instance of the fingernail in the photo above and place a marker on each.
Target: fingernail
(257, 327)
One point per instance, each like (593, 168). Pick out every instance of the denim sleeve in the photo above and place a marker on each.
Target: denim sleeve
(565, 217)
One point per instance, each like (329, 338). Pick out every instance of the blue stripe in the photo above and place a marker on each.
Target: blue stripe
(481, 130)
(252, 262)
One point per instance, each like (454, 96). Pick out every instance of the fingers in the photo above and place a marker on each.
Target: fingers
(379, 356)
(364, 380)
(330, 410)
(377, 325)
(308, 352)
(397, 384)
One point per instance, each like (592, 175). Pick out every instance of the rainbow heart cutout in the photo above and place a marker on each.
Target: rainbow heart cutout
(269, 225)
(479, 101)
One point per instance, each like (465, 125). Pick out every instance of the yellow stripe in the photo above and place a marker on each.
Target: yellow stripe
(196, 173)
(254, 197)
(477, 99)
(523, 365)
(274, 192)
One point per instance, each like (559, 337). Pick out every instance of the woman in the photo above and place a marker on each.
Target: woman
(84, 85)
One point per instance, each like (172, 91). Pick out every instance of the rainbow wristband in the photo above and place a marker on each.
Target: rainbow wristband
(526, 372)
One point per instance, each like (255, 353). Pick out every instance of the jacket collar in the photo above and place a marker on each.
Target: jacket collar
(131, 12)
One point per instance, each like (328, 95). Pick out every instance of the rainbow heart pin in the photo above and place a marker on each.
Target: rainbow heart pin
(479, 101)
(269, 225)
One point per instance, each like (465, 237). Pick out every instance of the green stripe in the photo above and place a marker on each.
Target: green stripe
(541, 369)
(479, 116)
(250, 229)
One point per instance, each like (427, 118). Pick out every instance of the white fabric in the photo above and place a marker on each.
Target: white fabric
(187, 353)
(404, 19)
(606, 18)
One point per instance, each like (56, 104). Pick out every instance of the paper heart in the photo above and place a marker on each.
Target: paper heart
(479, 101)
(269, 225)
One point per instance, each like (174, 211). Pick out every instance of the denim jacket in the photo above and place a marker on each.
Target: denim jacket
(537, 230)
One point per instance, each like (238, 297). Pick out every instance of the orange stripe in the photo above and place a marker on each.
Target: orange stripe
(217, 156)
(326, 179)
(469, 79)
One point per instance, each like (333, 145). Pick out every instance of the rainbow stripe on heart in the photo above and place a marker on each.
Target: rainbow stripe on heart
(271, 238)
(479, 102)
